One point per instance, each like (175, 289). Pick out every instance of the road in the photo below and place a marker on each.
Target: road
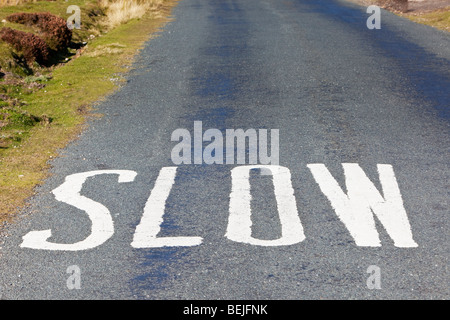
(352, 203)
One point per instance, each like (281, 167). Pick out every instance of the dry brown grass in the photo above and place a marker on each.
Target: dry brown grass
(25, 165)
(4, 3)
(438, 18)
(122, 11)
(109, 49)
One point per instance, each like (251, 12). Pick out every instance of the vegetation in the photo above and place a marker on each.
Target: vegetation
(121, 11)
(396, 5)
(50, 80)
(439, 19)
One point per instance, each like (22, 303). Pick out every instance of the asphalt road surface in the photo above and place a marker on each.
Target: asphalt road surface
(352, 203)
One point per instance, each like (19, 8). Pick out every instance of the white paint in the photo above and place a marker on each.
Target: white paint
(146, 232)
(69, 192)
(355, 208)
(240, 224)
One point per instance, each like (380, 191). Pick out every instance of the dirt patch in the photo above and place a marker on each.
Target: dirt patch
(422, 6)
(414, 6)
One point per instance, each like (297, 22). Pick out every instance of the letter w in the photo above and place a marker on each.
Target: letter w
(355, 208)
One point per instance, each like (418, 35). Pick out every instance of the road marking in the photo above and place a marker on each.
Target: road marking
(69, 192)
(355, 208)
(240, 224)
(146, 232)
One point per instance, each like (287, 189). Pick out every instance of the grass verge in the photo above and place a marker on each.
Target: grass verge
(64, 104)
(436, 17)
(439, 19)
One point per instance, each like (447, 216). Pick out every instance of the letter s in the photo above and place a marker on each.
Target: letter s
(69, 192)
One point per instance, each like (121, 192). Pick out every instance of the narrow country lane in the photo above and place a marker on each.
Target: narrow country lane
(350, 202)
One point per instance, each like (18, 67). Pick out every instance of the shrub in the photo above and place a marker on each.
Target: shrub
(23, 18)
(53, 28)
(32, 47)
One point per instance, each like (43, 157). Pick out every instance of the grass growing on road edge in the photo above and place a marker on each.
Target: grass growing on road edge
(68, 99)
(439, 19)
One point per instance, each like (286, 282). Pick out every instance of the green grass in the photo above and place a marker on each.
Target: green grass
(33, 77)
(90, 14)
(46, 119)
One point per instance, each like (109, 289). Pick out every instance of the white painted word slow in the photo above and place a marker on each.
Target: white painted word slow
(356, 209)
